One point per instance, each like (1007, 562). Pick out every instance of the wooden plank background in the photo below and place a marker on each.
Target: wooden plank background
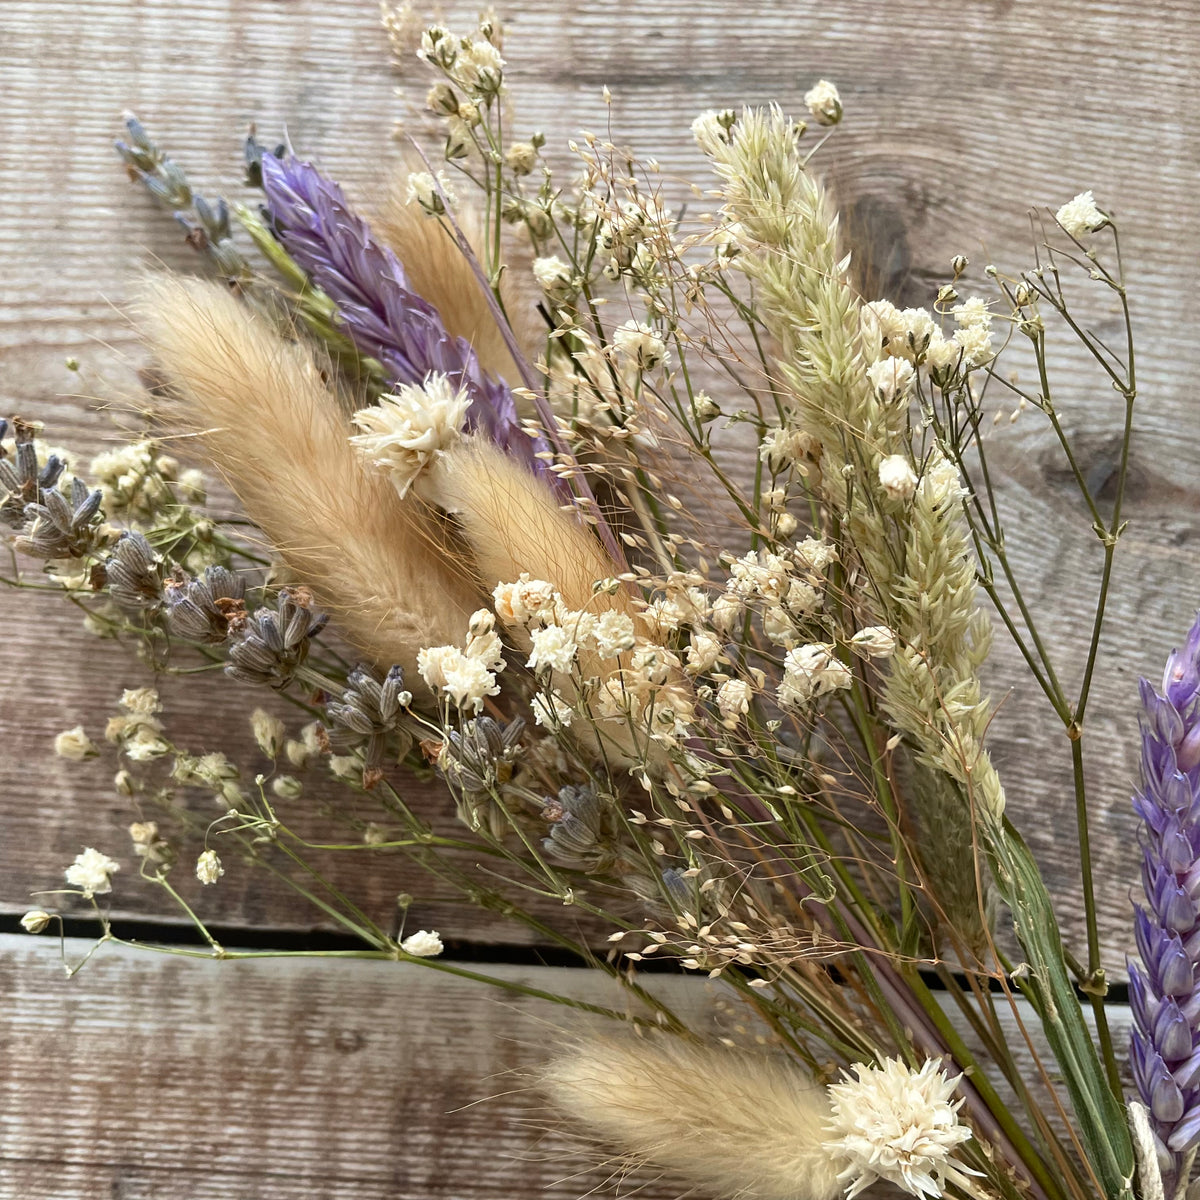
(958, 120)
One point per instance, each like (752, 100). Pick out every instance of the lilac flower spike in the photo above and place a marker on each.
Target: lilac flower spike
(1165, 991)
(381, 313)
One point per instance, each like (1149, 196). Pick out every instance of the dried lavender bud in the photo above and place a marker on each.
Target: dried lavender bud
(579, 836)
(134, 574)
(369, 710)
(207, 226)
(22, 480)
(201, 609)
(482, 756)
(383, 316)
(274, 642)
(60, 528)
(1164, 992)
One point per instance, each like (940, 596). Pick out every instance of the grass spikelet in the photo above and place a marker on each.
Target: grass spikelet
(276, 433)
(438, 270)
(736, 1125)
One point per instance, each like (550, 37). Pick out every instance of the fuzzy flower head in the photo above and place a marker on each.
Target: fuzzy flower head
(407, 432)
(91, 871)
(422, 944)
(425, 190)
(1080, 216)
(894, 1124)
(824, 102)
(896, 477)
(638, 345)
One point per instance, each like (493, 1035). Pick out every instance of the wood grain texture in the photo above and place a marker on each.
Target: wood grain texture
(155, 1078)
(954, 128)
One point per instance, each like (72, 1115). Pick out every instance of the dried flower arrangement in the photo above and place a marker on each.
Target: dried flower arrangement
(745, 734)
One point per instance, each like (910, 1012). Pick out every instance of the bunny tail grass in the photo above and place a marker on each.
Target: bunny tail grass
(439, 272)
(514, 523)
(735, 1125)
(275, 432)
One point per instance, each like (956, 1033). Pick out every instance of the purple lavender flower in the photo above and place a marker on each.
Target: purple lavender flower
(1165, 991)
(383, 316)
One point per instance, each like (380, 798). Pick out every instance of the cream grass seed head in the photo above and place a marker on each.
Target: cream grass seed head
(733, 1124)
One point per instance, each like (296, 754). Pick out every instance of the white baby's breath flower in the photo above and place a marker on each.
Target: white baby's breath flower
(897, 477)
(782, 448)
(208, 867)
(975, 341)
(639, 345)
(726, 610)
(824, 102)
(521, 157)
(483, 642)
(702, 653)
(891, 378)
(36, 920)
(524, 601)
(74, 744)
(468, 682)
(613, 634)
(733, 701)
(941, 482)
(409, 430)
(972, 313)
(301, 752)
(1080, 216)
(778, 626)
(286, 787)
(145, 745)
(894, 1124)
(875, 641)
(269, 732)
(711, 129)
(816, 554)
(811, 671)
(942, 353)
(142, 702)
(553, 649)
(552, 274)
(90, 873)
(551, 711)
(424, 943)
(423, 190)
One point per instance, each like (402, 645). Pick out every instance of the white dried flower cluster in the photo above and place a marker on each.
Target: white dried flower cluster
(733, 701)
(682, 604)
(91, 872)
(649, 692)
(892, 379)
(553, 276)
(551, 711)
(973, 335)
(785, 586)
(424, 943)
(810, 672)
(711, 129)
(896, 1125)
(208, 868)
(137, 730)
(408, 431)
(301, 752)
(639, 346)
(466, 680)
(269, 731)
(424, 189)
(875, 641)
(74, 744)
(147, 845)
(783, 447)
(212, 771)
(1081, 216)
(134, 481)
(897, 477)
(823, 101)
(910, 334)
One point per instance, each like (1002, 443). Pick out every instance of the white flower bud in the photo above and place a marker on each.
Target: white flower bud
(896, 477)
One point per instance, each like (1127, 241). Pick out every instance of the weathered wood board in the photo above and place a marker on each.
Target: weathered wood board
(957, 121)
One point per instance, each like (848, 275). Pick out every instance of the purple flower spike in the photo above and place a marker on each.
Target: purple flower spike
(1164, 991)
(381, 313)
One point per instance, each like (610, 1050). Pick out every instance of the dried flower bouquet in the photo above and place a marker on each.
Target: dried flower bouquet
(502, 526)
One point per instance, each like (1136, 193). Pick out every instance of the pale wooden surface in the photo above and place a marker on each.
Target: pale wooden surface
(957, 120)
